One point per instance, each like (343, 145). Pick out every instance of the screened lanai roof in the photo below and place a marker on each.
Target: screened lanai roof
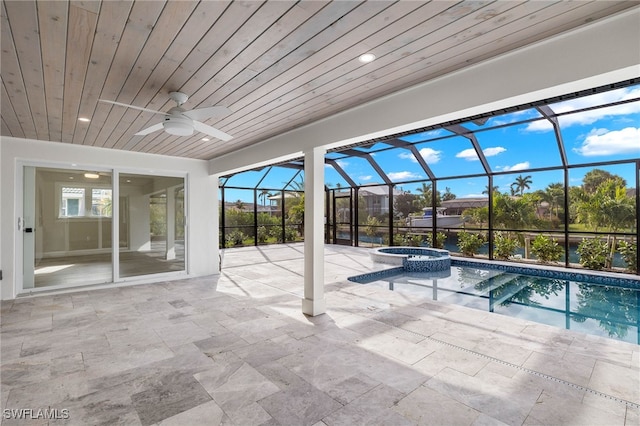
(600, 126)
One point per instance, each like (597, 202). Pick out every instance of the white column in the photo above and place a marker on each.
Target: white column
(313, 303)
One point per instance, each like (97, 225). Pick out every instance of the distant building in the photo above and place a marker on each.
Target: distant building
(458, 205)
(377, 199)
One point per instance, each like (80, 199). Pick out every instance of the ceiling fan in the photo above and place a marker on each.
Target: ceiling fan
(181, 122)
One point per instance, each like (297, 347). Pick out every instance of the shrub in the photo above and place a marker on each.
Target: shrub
(503, 246)
(234, 238)
(441, 237)
(546, 249)
(291, 233)
(629, 252)
(469, 243)
(371, 228)
(593, 253)
(398, 239)
(263, 234)
(413, 240)
(276, 232)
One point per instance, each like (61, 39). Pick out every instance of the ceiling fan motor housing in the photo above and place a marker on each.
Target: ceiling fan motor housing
(178, 125)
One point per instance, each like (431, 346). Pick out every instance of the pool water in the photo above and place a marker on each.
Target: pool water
(600, 310)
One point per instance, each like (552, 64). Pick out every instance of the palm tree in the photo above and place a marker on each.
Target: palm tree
(263, 196)
(522, 183)
(554, 194)
(298, 185)
(448, 195)
(493, 189)
(424, 199)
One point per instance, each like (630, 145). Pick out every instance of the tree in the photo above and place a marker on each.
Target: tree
(596, 177)
(295, 215)
(298, 185)
(372, 228)
(494, 189)
(521, 183)
(554, 195)
(478, 215)
(513, 213)
(619, 212)
(405, 204)
(448, 195)
(424, 199)
(263, 196)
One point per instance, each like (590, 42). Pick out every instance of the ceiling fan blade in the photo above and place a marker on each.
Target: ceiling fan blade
(132, 106)
(211, 131)
(200, 114)
(151, 129)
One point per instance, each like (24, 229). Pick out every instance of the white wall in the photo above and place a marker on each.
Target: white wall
(202, 204)
(139, 222)
(603, 52)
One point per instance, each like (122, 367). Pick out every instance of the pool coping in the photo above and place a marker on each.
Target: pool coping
(546, 271)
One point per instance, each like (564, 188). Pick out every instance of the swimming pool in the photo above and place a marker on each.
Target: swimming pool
(611, 311)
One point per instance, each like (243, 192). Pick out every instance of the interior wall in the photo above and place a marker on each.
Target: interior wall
(599, 53)
(138, 214)
(202, 204)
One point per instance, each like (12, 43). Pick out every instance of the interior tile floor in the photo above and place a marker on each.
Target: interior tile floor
(235, 349)
(98, 268)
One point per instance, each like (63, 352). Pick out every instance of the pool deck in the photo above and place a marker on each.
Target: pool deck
(235, 349)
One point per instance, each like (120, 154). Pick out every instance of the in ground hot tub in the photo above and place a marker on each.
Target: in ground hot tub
(413, 259)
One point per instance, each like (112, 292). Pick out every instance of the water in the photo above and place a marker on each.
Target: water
(612, 312)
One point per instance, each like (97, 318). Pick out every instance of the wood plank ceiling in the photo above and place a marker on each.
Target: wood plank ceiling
(277, 64)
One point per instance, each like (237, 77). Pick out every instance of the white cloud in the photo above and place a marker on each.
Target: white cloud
(470, 154)
(604, 142)
(342, 163)
(365, 178)
(520, 166)
(431, 156)
(473, 196)
(589, 117)
(403, 175)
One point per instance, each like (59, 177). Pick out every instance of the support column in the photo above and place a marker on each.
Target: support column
(313, 303)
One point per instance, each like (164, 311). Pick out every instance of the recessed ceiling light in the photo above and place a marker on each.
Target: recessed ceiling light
(366, 58)
(71, 177)
(206, 139)
(86, 120)
(91, 175)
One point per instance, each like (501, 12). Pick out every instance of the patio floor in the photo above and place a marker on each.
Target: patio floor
(235, 349)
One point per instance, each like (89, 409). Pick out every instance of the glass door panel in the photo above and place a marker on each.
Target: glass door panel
(66, 227)
(152, 225)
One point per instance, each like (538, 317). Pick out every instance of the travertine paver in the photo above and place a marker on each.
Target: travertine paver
(236, 349)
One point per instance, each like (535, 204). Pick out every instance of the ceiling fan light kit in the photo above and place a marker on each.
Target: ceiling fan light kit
(178, 126)
(181, 122)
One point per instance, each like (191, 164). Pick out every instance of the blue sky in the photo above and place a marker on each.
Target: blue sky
(604, 134)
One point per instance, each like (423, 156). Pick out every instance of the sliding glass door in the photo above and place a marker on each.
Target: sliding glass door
(67, 226)
(151, 224)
